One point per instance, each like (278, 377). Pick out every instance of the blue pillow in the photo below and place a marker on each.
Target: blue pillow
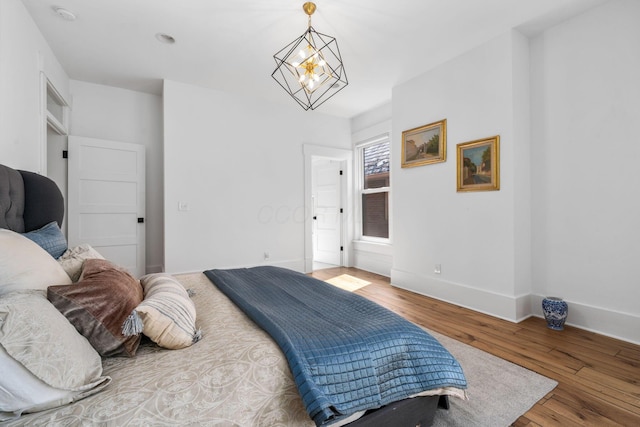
(50, 238)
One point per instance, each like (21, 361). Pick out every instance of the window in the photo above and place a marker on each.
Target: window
(374, 188)
(56, 109)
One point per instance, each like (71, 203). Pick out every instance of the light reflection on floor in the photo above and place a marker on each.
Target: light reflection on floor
(347, 282)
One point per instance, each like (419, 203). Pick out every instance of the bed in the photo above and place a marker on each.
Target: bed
(229, 373)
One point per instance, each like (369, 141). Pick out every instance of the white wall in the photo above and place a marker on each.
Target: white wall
(97, 111)
(116, 114)
(585, 154)
(471, 235)
(564, 222)
(238, 164)
(24, 53)
(364, 123)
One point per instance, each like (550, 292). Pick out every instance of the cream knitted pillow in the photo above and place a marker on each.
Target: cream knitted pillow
(166, 315)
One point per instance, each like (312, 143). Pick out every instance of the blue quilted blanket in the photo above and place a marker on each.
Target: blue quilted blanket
(346, 353)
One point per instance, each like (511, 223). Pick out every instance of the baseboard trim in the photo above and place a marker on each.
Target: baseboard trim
(293, 264)
(622, 326)
(155, 269)
(502, 306)
(375, 263)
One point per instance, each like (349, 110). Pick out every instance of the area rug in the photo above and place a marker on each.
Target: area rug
(499, 391)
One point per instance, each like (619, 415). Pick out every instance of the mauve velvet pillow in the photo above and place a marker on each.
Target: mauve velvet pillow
(99, 304)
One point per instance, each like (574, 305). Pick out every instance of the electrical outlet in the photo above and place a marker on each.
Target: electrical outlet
(266, 256)
(183, 206)
(438, 269)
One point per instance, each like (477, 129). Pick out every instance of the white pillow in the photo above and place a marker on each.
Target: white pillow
(24, 265)
(73, 260)
(56, 364)
(21, 390)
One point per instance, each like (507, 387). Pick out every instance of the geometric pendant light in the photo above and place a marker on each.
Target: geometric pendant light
(310, 68)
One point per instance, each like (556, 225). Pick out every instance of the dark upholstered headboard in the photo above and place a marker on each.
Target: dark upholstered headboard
(28, 201)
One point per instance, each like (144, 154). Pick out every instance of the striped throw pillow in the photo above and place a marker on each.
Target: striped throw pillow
(166, 315)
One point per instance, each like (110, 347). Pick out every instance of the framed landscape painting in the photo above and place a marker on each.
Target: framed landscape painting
(478, 165)
(424, 145)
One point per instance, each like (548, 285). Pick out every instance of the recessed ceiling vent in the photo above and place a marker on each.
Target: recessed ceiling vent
(165, 38)
(65, 14)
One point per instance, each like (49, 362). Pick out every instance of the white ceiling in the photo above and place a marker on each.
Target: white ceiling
(229, 45)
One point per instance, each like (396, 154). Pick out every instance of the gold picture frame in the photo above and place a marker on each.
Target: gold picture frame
(478, 165)
(424, 145)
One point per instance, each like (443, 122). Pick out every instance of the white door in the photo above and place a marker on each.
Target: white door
(106, 200)
(327, 218)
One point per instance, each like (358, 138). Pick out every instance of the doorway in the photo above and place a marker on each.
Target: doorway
(106, 200)
(328, 207)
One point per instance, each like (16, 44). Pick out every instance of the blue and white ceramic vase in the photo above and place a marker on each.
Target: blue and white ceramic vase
(555, 312)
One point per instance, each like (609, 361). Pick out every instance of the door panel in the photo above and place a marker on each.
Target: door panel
(120, 254)
(328, 223)
(123, 228)
(106, 198)
(100, 195)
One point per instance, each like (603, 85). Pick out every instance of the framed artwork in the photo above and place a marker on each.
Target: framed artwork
(424, 145)
(478, 165)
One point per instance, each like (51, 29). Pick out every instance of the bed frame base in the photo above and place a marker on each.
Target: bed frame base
(416, 412)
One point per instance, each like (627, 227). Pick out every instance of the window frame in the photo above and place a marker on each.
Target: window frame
(361, 191)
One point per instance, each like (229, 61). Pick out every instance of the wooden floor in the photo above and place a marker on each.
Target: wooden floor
(598, 377)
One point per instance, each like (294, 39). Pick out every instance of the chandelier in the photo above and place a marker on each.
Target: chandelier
(310, 68)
